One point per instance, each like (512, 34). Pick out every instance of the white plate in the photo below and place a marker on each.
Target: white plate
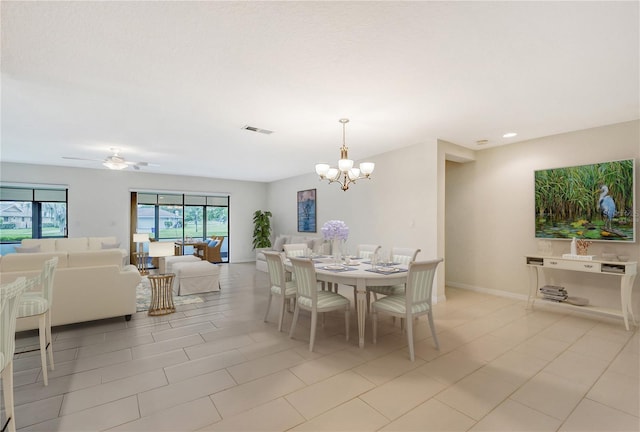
(388, 269)
(333, 267)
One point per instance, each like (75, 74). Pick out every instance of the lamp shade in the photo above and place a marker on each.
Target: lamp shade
(160, 249)
(140, 237)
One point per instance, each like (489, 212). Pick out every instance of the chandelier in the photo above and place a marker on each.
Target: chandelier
(345, 174)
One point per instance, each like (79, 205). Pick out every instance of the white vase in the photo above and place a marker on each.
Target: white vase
(336, 251)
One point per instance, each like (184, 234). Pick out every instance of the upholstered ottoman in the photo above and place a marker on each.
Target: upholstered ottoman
(195, 277)
(165, 264)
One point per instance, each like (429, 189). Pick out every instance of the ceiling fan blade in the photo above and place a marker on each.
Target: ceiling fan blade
(82, 159)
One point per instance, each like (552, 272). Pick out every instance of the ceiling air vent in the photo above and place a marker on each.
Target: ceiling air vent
(258, 130)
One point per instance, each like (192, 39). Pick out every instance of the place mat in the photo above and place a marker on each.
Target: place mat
(382, 264)
(387, 271)
(337, 270)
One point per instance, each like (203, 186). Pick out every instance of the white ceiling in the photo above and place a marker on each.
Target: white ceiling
(173, 83)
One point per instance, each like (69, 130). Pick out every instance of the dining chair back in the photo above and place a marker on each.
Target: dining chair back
(38, 303)
(399, 255)
(10, 295)
(279, 286)
(309, 298)
(295, 249)
(404, 255)
(367, 251)
(414, 302)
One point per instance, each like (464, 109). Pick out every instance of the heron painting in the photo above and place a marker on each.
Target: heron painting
(593, 202)
(607, 206)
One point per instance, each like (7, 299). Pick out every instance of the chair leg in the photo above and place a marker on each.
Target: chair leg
(346, 321)
(410, 338)
(294, 321)
(42, 332)
(266, 314)
(433, 330)
(283, 306)
(50, 341)
(374, 319)
(7, 385)
(314, 324)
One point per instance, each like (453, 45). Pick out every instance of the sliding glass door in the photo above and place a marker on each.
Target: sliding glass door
(182, 217)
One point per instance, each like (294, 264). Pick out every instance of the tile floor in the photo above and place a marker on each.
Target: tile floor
(217, 366)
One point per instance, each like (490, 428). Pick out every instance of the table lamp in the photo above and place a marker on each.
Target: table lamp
(161, 249)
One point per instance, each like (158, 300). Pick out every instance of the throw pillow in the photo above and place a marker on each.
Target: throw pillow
(213, 242)
(23, 249)
(278, 244)
(111, 245)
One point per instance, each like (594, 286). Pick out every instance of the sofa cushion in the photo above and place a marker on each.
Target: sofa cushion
(78, 244)
(46, 245)
(115, 245)
(25, 249)
(95, 258)
(30, 262)
(95, 243)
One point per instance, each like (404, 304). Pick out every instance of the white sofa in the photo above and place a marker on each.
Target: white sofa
(87, 285)
(75, 244)
(315, 243)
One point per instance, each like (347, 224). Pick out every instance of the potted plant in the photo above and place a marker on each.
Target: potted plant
(261, 229)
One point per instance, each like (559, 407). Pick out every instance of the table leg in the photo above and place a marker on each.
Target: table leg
(533, 285)
(626, 285)
(361, 309)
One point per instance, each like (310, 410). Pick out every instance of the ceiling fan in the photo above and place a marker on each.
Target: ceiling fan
(114, 161)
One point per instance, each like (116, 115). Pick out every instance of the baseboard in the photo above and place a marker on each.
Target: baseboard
(495, 292)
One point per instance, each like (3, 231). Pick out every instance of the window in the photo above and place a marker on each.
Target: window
(31, 213)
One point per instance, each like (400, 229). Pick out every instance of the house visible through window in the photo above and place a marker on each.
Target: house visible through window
(31, 213)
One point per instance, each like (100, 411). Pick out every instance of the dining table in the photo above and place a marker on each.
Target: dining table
(360, 274)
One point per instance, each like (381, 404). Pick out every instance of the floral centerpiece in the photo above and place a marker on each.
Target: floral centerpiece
(337, 231)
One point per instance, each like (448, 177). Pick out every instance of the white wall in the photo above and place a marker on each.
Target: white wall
(99, 199)
(396, 207)
(490, 210)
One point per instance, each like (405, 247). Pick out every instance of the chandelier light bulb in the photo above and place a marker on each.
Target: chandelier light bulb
(322, 169)
(367, 168)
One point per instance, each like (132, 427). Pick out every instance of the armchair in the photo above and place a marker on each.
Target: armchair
(213, 249)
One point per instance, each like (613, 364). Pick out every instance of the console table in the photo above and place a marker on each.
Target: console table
(625, 271)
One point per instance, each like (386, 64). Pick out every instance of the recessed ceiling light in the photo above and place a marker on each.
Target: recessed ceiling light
(509, 135)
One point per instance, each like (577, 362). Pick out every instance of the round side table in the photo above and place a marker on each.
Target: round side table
(161, 294)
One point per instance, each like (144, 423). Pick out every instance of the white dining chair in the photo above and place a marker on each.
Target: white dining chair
(415, 301)
(398, 255)
(295, 249)
(10, 295)
(367, 251)
(279, 286)
(38, 304)
(309, 298)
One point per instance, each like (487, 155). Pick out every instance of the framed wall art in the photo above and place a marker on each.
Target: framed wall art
(592, 202)
(307, 210)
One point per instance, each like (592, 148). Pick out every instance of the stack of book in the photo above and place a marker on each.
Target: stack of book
(554, 293)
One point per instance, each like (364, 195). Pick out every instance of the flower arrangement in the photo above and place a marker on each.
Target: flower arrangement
(335, 230)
